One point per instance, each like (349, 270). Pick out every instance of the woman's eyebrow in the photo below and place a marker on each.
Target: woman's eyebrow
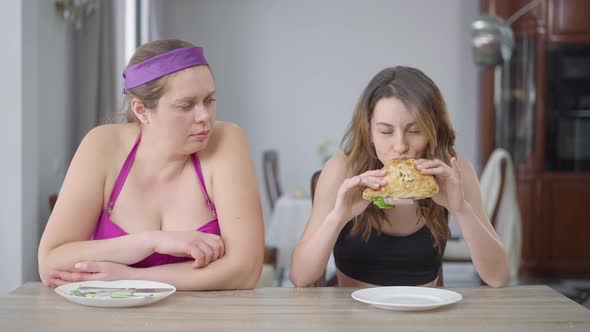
(389, 125)
(183, 99)
(384, 124)
(193, 98)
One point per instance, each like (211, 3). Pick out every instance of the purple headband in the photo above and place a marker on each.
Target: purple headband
(162, 65)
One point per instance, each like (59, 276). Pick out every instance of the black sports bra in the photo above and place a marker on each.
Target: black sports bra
(387, 260)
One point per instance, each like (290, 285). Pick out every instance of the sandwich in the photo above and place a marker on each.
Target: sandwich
(404, 181)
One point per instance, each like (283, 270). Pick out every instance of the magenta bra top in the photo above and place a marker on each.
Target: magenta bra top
(107, 229)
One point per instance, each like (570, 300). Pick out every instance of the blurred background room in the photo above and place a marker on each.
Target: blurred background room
(516, 83)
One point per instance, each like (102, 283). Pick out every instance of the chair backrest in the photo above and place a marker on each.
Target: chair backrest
(494, 215)
(270, 166)
(314, 182)
(500, 200)
(492, 182)
(52, 200)
(270, 256)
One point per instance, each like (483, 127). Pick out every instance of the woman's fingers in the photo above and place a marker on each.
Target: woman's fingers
(199, 258)
(216, 244)
(437, 171)
(426, 163)
(371, 181)
(202, 254)
(205, 248)
(56, 282)
(213, 246)
(73, 276)
(455, 166)
(62, 275)
(207, 252)
(437, 167)
(376, 173)
(53, 280)
(199, 262)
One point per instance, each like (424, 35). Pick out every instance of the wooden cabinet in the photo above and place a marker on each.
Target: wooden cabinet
(555, 204)
(566, 227)
(569, 21)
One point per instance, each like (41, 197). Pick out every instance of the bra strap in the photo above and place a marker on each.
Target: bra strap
(123, 174)
(197, 165)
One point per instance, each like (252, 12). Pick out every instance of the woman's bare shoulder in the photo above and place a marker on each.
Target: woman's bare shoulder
(106, 142)
(337, 165)
(465, 165)
(334, 171)
(226, 137)
(463, 161)
(231, 129)
(337, 160)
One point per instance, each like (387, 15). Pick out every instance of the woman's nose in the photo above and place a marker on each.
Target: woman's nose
(399, 144)
(202, 114)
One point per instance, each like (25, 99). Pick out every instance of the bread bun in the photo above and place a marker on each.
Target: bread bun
(404, 180)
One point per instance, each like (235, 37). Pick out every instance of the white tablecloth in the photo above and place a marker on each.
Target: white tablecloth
(284, 229)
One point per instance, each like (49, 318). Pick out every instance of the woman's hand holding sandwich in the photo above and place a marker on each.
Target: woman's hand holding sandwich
(349, 199)
(450, 194)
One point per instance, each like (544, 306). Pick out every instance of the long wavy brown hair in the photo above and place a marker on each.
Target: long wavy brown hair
(423, 98)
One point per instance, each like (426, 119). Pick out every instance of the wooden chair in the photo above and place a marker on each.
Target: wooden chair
(268, 274)
(270, 167)
(52, 200)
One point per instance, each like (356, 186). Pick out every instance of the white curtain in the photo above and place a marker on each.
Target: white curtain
(150, 24)
(93, 83)
(99, 59)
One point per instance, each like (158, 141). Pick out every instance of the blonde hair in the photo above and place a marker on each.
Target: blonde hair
(422, 97)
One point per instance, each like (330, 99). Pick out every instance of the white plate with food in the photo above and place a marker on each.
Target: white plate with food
(118, 293)
(404, 298)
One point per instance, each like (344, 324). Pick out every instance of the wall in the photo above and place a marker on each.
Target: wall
(33, 130)
(11, 146)
(290, 72)
(52, 85)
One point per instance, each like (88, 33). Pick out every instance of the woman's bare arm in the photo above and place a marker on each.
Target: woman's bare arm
(313, 250)
(65, 240)
(487, 253)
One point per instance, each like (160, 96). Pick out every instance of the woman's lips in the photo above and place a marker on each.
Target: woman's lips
(201, 135)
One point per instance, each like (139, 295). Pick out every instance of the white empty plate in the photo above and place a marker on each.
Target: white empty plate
(406, 298)
(153, 291)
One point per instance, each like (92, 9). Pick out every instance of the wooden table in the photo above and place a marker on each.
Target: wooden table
(34, 307)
